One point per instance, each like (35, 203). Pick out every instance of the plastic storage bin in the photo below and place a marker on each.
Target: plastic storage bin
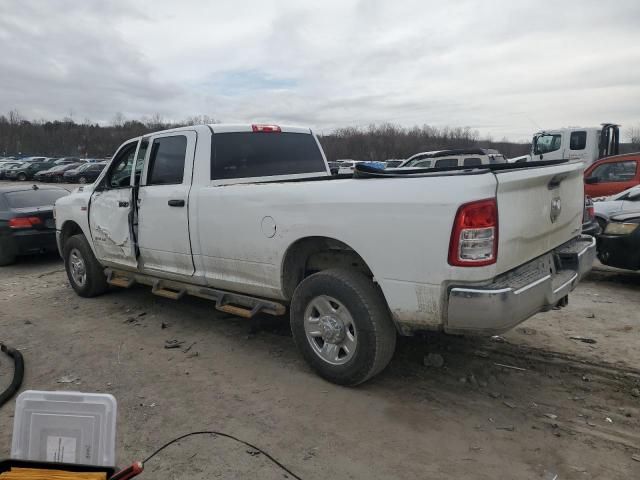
(66, 427)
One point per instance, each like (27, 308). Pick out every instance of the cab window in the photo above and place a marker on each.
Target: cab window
(422, 164)
(615, 171)
(547, 143)
(166, 162)
(578, 140)
(119, 175)
(472, 162)
(446, 163)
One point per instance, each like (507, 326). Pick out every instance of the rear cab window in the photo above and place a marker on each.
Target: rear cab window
(33, 198)
(166, 162)
(472, 162)
(254, 155)
(578, 140)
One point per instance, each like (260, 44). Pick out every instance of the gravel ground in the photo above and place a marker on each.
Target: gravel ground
(568, 410)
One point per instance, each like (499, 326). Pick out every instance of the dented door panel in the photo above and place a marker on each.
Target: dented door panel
(110, 226)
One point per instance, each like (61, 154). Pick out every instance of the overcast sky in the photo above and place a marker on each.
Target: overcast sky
(505, 68)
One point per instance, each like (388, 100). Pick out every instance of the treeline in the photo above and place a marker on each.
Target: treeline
(67, 137)
(386, 141)
(376, 142)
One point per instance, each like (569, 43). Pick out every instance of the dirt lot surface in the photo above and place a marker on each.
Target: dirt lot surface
(570, 410)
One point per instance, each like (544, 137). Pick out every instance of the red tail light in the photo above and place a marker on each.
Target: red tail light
(589, 210)
(266, 128)
(24, 222)
(474, 238)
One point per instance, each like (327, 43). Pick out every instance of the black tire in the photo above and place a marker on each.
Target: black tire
(376, 333)
(22, 177)
(95, 281)
(82, 180)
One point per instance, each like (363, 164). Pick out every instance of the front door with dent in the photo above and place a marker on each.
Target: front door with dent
(163, 204)
(111, 208)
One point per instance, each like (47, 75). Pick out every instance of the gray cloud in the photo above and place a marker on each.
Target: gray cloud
(501, 67)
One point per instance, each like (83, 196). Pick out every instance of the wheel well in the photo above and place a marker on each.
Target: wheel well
(313, 254)
(69, 229)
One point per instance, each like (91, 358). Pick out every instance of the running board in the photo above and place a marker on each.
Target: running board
(119, 281)
(232, 303)
(161, 291)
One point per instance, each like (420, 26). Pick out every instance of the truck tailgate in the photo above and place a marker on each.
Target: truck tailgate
(539, 208)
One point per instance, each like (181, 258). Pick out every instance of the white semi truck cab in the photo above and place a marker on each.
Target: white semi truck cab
(576, 143)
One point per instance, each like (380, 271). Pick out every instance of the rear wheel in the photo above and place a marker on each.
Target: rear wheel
(82, 180)
(342, 326)
(85, 273)
(22, 177)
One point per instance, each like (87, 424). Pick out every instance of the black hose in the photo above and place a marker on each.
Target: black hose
(18, 374)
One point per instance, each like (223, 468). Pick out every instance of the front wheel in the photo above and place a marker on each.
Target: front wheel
(82, 180)
(85, 273)
(342, 326)
(22, 177)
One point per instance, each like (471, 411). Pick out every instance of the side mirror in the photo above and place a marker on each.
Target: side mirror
(591, 180)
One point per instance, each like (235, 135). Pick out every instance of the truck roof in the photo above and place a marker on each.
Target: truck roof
(236, 127)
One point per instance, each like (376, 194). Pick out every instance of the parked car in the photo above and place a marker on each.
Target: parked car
(85, 173)
(238, 214)
(625, 201)
(33, 159)
(619, 244)
(470, 157)
(26, 220)
(6, 166)
(41, 176)
(612, 175)
(67, 160)
(54, 174)
(27, 170)
(590, 225)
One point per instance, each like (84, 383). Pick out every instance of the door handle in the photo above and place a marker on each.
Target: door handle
(176, 203)
(123, 204)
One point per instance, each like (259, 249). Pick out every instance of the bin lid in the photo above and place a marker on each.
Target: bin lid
(68, 427)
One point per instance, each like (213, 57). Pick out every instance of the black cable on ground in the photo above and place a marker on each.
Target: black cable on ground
(226, 436)
(18, 374)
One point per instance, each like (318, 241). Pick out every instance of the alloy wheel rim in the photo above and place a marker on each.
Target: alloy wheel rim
(330, 330)
(77, 267)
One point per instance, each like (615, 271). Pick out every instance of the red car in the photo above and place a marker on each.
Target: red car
(612, 175)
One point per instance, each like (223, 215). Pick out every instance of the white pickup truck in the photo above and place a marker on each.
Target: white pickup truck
(250, 217)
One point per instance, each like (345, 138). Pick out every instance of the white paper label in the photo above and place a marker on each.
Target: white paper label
(61, 449)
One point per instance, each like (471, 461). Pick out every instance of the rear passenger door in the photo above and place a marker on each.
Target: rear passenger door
(163, 204)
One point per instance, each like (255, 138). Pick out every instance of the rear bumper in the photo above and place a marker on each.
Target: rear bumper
(513, 297)
(34, 241)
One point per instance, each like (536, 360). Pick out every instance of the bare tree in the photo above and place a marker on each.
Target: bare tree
(118, 120)
(633, 135)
